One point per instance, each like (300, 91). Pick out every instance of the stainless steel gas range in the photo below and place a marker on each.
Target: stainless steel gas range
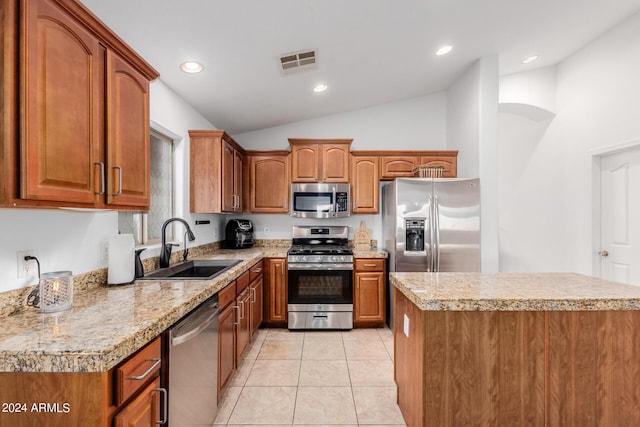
(320, 267)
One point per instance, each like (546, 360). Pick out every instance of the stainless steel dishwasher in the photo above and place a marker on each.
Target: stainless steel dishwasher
(193, 367)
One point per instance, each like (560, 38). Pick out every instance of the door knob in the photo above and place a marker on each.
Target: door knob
(603, 253)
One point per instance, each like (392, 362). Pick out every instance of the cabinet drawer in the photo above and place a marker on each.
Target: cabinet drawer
(242, 282)
(369, 264)
(227, 295)
(133, 374)
(256, 270)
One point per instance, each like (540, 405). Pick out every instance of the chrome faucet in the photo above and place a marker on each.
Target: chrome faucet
(165, 249)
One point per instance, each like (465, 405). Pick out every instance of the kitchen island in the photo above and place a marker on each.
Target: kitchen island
(548, 349)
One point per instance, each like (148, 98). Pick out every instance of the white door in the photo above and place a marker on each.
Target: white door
(620, 217)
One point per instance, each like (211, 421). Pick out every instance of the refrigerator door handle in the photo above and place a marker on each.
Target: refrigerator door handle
(431, 247)
(436, 242)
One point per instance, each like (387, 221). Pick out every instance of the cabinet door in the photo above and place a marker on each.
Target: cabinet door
(143, 411)
(335, 163)
(396, 166)
(275, 298)
(62, 106)
(228, 157)
(226, 347)
(449, 163)
(237, 180)
(365, 188)
(128, 152)
(256, 304)
(269, 184)
(369, 301)
(243, 324)
(304, 163)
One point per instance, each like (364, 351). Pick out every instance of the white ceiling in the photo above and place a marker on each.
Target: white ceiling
(369, 51)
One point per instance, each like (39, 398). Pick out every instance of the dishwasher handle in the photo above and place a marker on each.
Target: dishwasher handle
(189, 329)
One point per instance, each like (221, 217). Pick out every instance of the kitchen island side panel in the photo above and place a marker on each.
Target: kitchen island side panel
(594, 368)
(536, 368)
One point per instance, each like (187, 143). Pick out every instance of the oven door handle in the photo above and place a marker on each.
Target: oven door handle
(321, 266)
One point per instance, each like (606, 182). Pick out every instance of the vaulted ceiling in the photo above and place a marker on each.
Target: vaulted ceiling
(369, 52)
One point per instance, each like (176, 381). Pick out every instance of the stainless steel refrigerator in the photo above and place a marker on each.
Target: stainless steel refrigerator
(431, 225)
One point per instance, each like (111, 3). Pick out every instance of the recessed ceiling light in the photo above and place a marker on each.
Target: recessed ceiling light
(530, 59)
(320, 88)
(444, 50)
(191, 67)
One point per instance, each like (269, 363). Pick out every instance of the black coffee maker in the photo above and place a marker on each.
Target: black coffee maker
(239, 234)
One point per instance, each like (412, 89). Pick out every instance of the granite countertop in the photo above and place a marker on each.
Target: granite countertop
(109, 323)
(514, 292)
(371, 253)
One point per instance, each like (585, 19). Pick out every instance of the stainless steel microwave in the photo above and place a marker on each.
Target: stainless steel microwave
(320, 200)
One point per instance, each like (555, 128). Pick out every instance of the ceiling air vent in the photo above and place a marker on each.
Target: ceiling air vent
(298, 60)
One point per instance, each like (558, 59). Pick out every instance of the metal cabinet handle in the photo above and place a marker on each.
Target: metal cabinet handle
(238, 316)
(253, 294)
(369, 265)
(147, 372)
(242, 311)
(257, 270)
(119, 192)
(165, 402)
(102, 183)
(603, 253)
(436, 219)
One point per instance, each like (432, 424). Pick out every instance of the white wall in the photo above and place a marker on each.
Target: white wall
(545, 188)
(70, 240)
(463, 117)
(534, 89)
(472, 129)
(412, 124)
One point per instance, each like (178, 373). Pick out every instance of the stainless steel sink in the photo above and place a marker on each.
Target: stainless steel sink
(192, 270)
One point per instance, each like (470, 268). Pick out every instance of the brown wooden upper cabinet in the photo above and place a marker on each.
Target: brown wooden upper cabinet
(81, 103)
(365, 185)
(395, 164)
(320, 160)
(215, 172)
(267, 178)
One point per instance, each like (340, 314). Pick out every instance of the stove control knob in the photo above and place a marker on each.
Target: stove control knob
(304, 258)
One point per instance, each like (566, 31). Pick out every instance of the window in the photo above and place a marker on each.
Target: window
(146, 227)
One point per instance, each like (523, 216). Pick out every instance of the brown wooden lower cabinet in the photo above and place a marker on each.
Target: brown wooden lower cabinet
(243, 324)
(256, 304)
(502, 368)
(143, 411)
(275, 291)
(238, 320)
(369, 287)
(99, 399)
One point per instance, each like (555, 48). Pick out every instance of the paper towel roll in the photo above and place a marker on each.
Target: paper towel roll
(121, 259)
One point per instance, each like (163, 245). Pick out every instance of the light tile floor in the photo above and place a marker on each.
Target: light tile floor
(314, 378)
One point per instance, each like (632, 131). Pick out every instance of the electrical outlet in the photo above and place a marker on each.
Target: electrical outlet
(405, 328)
(266, 231)
(104, 251)
(25, 268)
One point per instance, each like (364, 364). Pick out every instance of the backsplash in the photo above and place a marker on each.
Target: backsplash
(14, 301)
